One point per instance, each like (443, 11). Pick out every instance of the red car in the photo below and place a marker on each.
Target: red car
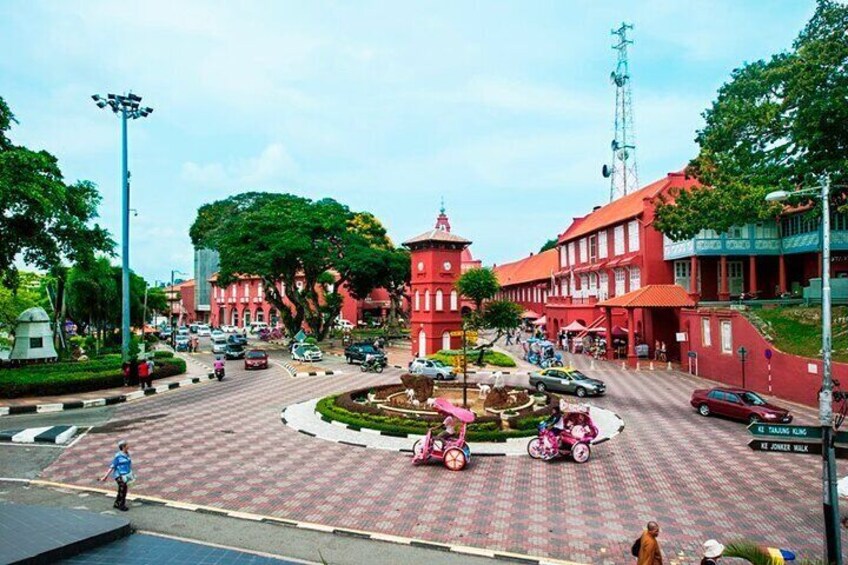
(255, 359)
(739, 404)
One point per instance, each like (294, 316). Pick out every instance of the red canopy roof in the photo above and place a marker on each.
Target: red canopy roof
(652, 296)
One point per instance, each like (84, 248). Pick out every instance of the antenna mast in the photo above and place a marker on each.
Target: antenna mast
(622, 173)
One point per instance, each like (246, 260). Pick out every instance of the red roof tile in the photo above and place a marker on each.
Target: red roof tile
(533, 268)
(624, 208)
(652, 296)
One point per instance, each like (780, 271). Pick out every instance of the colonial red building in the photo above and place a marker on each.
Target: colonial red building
(529, 281)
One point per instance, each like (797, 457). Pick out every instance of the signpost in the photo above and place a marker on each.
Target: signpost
(794, 433)
(768, 354)
(798, 447)
(742, 356)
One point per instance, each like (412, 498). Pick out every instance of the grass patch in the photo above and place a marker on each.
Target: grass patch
(395, 425)
(69, 377)
(493, 358)
(797, 330)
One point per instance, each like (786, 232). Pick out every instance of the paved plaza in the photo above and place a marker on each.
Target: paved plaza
(223, 445)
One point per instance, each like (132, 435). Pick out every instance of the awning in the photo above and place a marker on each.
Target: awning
(652, 296)
(529, 315)
(541, 321)
(575, 326)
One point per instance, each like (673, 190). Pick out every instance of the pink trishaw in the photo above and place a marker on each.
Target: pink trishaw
(453, 451)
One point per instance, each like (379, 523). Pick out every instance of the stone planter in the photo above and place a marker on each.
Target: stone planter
(372, 397)
(540, 399)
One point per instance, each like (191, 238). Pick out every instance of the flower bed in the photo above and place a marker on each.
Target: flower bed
(352, 409)
(69, 377)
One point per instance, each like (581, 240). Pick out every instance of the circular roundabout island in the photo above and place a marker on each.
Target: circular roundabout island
(394, 416)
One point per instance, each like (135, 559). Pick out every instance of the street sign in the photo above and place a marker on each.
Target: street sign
(786, 431)
(468, 334)
(789, 432)
(803, 448)
(300, 336)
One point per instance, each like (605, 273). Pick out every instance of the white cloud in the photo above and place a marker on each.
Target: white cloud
(273, 165)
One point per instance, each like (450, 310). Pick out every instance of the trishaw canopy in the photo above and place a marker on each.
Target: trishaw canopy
(444, 405)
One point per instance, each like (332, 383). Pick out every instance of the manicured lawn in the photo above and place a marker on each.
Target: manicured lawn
(797, 330)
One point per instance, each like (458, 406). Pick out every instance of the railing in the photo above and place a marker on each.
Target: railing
(752, 245)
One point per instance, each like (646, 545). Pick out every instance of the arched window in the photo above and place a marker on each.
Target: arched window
(427, 300)
(417, 301)
(454, 301)
(446, 344)
(422, 344)
(439, 300)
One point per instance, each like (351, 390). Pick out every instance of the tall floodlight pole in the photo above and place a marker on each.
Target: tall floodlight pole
(832, 530)
(127, 107)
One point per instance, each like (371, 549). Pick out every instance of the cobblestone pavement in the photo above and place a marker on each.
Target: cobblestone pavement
(223, 445)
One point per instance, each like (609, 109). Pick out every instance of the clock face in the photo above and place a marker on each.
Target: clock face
(447, 266)
(421, 265)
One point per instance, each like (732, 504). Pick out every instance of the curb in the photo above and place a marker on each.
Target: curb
(347, 532)
(49, 434)
(316, 373)
(95, 402)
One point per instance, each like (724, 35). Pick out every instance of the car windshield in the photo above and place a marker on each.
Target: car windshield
(576, 375)
(256, 355)
(753, 399)
(311, 348)
(367, 349)
(219, 341)
(235, 347)
(437, 363)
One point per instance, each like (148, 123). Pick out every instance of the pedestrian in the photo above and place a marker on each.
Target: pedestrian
(518, 336)
(647, 548)
(508, 337)
(143, 375)
(121, 471)
(712, 552)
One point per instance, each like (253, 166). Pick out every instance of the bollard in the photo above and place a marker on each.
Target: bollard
(651, 365)
(638, 365)
(668, 367)
(624, 365)
(592, 363)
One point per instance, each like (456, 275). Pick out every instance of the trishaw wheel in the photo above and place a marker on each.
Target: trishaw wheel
(417, 447)
(455, 459)
(534, 448)
(581, 452)
(379, 368)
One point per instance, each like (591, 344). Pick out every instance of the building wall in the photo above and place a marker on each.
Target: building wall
(791, 376)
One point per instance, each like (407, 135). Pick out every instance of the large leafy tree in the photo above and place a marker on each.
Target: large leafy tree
(29, 293)
(313, 247)
(777, 124)
(478, 285)
(43, 220)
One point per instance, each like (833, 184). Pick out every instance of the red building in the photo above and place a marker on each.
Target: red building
(528, 281)
(181, 300)
(438, 258)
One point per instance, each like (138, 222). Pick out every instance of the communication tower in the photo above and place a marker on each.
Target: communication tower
(622, 172)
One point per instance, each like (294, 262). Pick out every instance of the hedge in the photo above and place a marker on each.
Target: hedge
(74, 377)
(494, 358)
(484, 429)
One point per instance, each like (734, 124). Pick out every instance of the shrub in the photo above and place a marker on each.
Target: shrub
(494, 358)
(74, 377)
(163, 354)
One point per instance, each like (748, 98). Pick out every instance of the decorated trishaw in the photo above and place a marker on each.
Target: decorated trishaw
(453, 451)
(574, 439)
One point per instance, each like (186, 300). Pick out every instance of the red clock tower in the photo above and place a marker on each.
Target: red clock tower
(436, 266)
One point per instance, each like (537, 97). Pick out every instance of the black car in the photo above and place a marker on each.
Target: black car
(234, 351)
(237, 339)
(358, 351)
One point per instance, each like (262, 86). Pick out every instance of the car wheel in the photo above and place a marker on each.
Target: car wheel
(580, 392)
(439, 377)
(541, 387)
(349, 360)
(754, 419)
(704, 410)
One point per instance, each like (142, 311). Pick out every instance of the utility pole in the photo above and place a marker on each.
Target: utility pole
(622, 172)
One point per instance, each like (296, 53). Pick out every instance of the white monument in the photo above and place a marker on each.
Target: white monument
(33, 337)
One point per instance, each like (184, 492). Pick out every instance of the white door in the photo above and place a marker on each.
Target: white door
(422, 344)
(446, 340)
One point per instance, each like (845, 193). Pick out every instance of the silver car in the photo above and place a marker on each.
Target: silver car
(567, 380)
(432, 368)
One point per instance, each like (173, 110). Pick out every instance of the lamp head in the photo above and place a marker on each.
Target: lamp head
(777, 196)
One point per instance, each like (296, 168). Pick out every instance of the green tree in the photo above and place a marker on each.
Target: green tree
(396, 282)
(777, 124)
(43, 221)
(93, 297)
(313, 247)
(550, 244)
(157, 300)
(29, 293)
(502, 316)
(478, 285)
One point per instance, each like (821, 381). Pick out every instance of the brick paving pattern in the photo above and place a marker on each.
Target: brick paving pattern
(223, 445)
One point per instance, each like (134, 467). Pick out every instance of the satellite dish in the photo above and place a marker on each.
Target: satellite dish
(606, 171)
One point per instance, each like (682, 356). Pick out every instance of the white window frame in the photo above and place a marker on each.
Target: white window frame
(571, 253)
(618, 240)
(417, 301)
(635, 275)
(706, 332)
(563, 256)
(602, 244)
(584, 254)
(427, 300)
(726, 330)
(454, 301)
(440, 301)
(593, 253)
(247, 290)
(620, 279)
(633, 235)
(683, 273)
(563, 284)
(603, 285)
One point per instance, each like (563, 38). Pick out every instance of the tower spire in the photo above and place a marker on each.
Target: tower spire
(622, 172)
(442, 222)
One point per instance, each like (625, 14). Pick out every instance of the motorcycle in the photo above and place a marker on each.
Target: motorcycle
(219, 372)
(372, 364)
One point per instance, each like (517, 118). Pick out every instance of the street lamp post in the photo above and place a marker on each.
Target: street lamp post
(833, 540)
(126, 107)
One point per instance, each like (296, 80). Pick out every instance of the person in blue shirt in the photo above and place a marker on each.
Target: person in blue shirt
(121, 471)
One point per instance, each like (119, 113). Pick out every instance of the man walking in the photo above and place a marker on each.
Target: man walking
(121, 471)
(649, 547)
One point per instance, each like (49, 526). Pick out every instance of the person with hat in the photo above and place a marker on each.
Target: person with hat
(121, 471)
(712, 552)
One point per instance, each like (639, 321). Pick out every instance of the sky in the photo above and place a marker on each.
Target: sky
(504, 109)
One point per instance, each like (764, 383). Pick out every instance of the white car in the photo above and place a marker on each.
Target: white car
(432, 368)
(227, 329)
(203, 330)
(343, 324)
(219, 344)
(306, 352)
(217, 334)
(256, 327)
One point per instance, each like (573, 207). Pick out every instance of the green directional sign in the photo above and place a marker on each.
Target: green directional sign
(800, 447)
(786, 431)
